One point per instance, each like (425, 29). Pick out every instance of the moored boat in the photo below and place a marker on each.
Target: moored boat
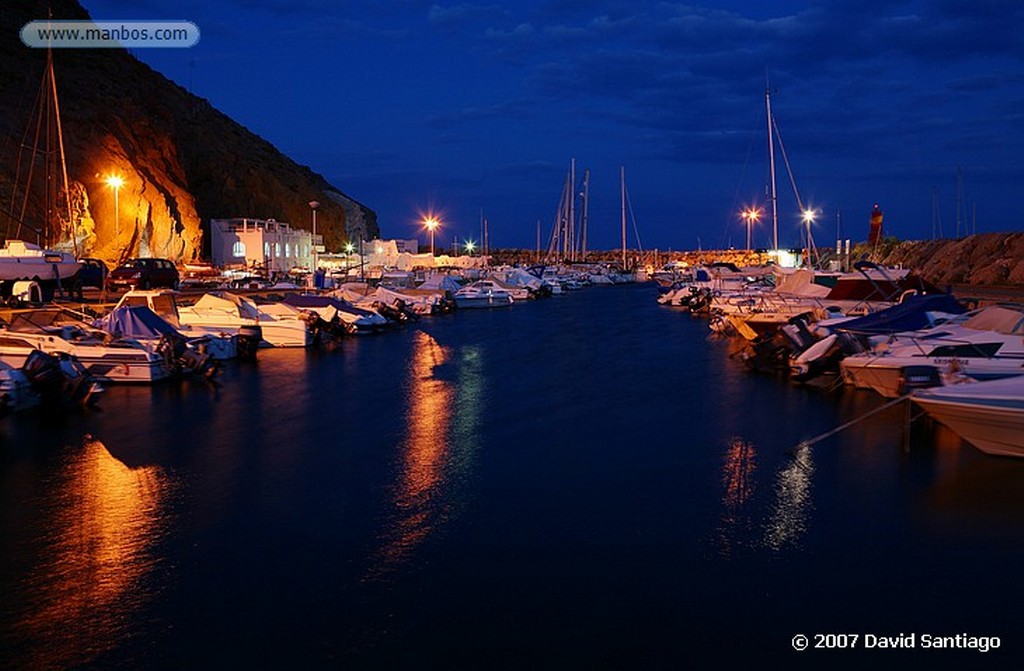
(988, 415)
(22, 263)
(105, 358)
(475, 295)
(985, 345)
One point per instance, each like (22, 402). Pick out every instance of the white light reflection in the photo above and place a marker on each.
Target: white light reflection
(788, 520)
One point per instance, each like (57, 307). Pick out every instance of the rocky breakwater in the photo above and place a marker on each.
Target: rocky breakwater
(981, 260)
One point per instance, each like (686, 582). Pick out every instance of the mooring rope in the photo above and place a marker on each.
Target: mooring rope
(847, 425)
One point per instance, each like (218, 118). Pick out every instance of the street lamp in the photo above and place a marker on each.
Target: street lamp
(349, 248)
(431, 223)
(470, 246)
(116, 182)
(750, 216)
(809, 215)
(313, 205)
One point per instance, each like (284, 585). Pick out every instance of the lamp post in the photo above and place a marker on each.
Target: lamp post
(809, 216)
(750, 216)
(116, 182)
(349, 248)
(313, 205)
(431, 223)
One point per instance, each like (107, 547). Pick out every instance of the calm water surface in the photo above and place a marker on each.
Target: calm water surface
(586, 481)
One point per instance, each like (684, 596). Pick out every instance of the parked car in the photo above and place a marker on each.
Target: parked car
(144, 274)
(93, 273)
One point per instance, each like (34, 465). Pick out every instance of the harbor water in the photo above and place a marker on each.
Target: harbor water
(585, 481)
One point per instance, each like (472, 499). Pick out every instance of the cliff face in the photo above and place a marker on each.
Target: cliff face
(182, 162)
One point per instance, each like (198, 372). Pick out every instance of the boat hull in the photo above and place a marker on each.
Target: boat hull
(884, 373)
(473, 302)
(993, 425)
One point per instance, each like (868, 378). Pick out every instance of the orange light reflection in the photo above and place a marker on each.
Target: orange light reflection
(738, 488)
(87, 585)
(424, 452)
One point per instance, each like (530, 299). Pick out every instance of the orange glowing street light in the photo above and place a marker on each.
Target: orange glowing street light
(116, 182)
(750, 216)
(431, 223)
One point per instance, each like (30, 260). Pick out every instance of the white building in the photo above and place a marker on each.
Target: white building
(266, 244)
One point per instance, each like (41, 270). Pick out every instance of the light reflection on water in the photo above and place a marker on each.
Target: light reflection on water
(738, 487)
(91, 576)
(788, 517)
(438, 449)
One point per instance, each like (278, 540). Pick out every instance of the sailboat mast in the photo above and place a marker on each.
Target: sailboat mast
(622, 188)
(60, 145)
(586, 208)
(569, 248)
(538, 239)
(771, 168)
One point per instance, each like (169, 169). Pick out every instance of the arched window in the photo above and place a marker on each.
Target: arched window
(238, 249)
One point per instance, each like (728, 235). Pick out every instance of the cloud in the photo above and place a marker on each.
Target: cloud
(454, 16)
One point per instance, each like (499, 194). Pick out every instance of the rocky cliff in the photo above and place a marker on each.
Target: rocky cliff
(182, 161)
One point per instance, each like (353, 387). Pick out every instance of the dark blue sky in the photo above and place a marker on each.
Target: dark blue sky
(458, 106)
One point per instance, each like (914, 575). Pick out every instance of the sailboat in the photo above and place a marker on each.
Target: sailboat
(31, 271)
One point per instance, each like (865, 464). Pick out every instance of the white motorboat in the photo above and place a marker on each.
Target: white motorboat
(518, 293)
(476, 295)
(985, 345)
(988, 415)
(354, 320)
(284, 325)
(232, 313)
(46, 379)
(24, 262)
(105, 358)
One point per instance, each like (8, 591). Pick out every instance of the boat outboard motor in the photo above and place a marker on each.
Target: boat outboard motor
(918, 377)
(249, 339)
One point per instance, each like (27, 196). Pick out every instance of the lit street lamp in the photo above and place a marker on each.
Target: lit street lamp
(431, 223)
(470, 246)
(349, 248)
(750, 216)
(312, 206)
(116, 182)
(809, 216)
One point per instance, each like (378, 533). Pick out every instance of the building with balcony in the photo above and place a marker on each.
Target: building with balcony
(261, 244)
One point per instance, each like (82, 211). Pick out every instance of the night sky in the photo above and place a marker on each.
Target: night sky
(454, 108)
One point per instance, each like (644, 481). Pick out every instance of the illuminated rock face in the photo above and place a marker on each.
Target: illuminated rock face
(155, 212)
(181, 161)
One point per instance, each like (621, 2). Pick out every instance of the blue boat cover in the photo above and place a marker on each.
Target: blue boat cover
(910, 315)
(313, 301)
(135, 321)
